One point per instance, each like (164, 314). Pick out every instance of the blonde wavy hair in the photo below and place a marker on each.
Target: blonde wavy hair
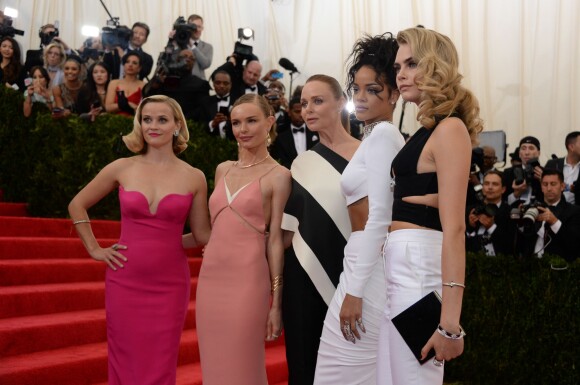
(439, 81)
(134, 140)
(60, 49)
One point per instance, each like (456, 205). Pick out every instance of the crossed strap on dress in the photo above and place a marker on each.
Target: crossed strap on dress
(234, 210)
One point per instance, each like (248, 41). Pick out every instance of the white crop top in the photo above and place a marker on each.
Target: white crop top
(368, 174)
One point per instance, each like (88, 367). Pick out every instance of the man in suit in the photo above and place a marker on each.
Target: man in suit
(202, 51)
(530, 171)
(295, 140)
(488, 225)
(570, 166)
(186, 89)
(245, 78)
(216, 108)
(556, 226)
(139, 34)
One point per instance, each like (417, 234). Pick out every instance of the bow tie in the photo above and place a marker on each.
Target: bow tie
(252, 88)
(223, 98)
(196, 43)
(297, 129)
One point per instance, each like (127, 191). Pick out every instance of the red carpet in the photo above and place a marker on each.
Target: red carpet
(52, 317)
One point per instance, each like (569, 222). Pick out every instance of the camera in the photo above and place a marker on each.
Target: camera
(273, 96)
(183, 32)
(90, 53)
(243, 51)
(169, 62)
(481, 207)
(47, 37)
(115, 35)
(526, 215)
(6, 28)
(525, 174)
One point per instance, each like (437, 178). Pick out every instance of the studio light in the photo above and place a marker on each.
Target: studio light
(90, 31)
(245, 33)
(11, 12)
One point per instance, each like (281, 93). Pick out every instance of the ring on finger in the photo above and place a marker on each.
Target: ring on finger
(437, 362)
(115, 246)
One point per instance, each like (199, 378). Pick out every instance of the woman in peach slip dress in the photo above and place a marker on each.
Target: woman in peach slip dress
(243, 260)
(147, 280)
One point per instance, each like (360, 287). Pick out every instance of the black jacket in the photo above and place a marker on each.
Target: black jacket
(113, 62)
(284, 150)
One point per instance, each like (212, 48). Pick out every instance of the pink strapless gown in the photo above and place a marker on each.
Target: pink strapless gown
(233, 290)
(146, 301)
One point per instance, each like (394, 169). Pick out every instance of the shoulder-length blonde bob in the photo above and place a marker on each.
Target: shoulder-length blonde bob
(439, 80)
(134, 140)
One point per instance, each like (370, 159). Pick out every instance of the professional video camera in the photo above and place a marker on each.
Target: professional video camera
(90, 53)
(481, 207)
(6, 28)
(169, 62)
(526, 173)
(115, 35)
(526, 215)
(183, 32)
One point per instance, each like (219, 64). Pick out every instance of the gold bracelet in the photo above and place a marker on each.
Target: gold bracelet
(453, 284)
(81, 221)
(277, 283)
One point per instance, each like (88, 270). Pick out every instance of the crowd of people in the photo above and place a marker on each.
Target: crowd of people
(527, 210)
(314, 231)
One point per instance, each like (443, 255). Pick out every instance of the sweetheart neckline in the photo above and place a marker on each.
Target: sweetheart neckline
(147, 200)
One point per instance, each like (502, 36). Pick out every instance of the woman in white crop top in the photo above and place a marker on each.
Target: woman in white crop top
(348, 346)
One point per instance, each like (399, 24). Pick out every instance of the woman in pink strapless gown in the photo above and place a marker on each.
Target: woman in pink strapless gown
(148, 281)
(243, 260)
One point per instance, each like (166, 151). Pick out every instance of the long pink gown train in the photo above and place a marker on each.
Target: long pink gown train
(233, 290)
(146, 301)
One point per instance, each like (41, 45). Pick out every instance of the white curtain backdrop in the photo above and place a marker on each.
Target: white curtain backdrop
(520, 57)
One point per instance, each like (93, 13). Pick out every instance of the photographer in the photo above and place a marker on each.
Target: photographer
(134, 40)
(523, 182)
(216, 108)
(488, 226)
(202, 51)
(570, 167)
(556, 223)
(245, 78)
(188, 90)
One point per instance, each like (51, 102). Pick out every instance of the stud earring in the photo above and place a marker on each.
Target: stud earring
(176, 133)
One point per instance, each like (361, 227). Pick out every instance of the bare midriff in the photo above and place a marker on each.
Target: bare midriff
(427, 200)
(358, 213)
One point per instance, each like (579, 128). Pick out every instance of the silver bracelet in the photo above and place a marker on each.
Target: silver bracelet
(451, 336)
(81, 221)
(453, 284)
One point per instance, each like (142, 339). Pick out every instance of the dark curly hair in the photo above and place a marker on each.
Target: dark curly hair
(377, 52)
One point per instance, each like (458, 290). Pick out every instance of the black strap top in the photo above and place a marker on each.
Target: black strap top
(410, 183)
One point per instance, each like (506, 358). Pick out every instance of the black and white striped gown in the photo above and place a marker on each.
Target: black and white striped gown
(317, 214)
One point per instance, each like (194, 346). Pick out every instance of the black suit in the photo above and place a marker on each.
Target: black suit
(208, 112)
(558, 164)
(238, 85)
(563, 243)
(113, 61)
(284, 149)
(502, 237)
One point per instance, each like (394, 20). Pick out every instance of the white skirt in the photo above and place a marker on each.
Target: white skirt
(340, 361)
(412, 270)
